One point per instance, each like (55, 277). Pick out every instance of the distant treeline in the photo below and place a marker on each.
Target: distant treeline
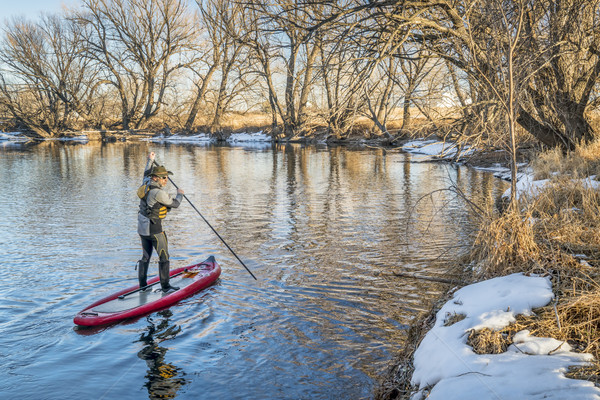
(476, 69)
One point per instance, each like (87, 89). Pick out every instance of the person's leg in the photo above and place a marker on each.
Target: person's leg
(145, 261)
(162, 249)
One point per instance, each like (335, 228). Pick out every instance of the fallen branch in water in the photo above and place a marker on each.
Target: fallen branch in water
(429, 278)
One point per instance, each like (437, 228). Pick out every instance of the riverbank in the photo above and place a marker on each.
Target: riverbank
(199, 138)
(423, 150)
(481, 341)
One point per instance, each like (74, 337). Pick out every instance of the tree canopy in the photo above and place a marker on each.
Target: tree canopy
(132, 64)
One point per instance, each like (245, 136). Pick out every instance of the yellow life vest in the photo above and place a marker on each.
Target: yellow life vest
(157, 211)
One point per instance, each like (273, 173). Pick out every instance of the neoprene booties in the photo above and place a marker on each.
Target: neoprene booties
(143, 273)
(163, 272)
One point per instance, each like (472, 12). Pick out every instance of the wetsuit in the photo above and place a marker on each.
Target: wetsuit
(154, 205)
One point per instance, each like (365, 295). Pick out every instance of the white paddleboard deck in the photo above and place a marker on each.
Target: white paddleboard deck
(140, 298)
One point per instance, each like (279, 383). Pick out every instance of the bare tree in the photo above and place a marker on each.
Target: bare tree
(285, 27)
(224, 79)
(566, 36)
(208, 61)
(503, 23)
(404, 79)
(136, 44)
(340, 69)
(263, 57)
(562, 42)
(378, 95)
(369, 74)
(46, 83)
(227, 18)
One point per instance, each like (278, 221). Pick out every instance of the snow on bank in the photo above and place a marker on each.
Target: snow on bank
(436, 149)
(531, 368)
(249, 137)
(13, 136)
(526, 184)
(201, 138)
(528, 187)
(204, 138)
(78, 138)
(19, 137)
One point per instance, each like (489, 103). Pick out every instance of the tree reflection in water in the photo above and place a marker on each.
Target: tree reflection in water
(163, 379)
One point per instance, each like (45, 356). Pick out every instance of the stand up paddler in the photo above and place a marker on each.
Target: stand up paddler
(155, 203)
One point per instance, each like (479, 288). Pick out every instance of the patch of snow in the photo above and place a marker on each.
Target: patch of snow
(200, 138)
(531, 368)
(528, 187)
(13, 136)
(435, 149)
(203, 138)
(80, 138)
(249, 137)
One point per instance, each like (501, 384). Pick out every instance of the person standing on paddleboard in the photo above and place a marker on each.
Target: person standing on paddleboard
(155, 202)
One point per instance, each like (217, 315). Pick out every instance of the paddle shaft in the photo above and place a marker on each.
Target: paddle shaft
(211, 227)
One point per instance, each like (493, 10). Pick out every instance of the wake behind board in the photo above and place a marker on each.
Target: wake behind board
(132, 302)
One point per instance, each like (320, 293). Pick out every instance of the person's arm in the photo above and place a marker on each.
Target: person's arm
(163, 198)
(149, 165)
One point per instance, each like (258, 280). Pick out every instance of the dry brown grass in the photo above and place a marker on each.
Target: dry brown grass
(568, 218)
(246, 121)
(489, 341)
(505, 244)
(452, 319)
(582, 162)
(557, 233)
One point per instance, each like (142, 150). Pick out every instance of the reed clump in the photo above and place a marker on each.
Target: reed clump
(583, 161)
(554, 231)
(505, 244)
(488, 341)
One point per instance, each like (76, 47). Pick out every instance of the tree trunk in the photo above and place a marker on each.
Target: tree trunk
(544, 133)
(189, 123)
(289, 121)
(306, 85)
(406, 112)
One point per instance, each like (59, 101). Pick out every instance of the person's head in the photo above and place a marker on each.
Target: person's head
(160, 174)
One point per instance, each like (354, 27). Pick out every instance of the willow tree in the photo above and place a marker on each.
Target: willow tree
(562, 36)
(281, 30)
(136, 45)
(46, 83)
(563, 54)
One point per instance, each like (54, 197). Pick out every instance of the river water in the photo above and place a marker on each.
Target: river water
(323, 229)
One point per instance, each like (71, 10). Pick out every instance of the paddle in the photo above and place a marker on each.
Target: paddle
(121, 297)
(210, 226)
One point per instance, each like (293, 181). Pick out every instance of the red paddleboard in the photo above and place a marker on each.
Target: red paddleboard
(132, 302)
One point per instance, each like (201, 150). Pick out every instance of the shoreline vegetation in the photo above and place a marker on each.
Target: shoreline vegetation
(478, 71)
(555, 234)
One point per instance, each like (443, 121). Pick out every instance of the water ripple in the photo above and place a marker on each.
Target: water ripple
(322, 229)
